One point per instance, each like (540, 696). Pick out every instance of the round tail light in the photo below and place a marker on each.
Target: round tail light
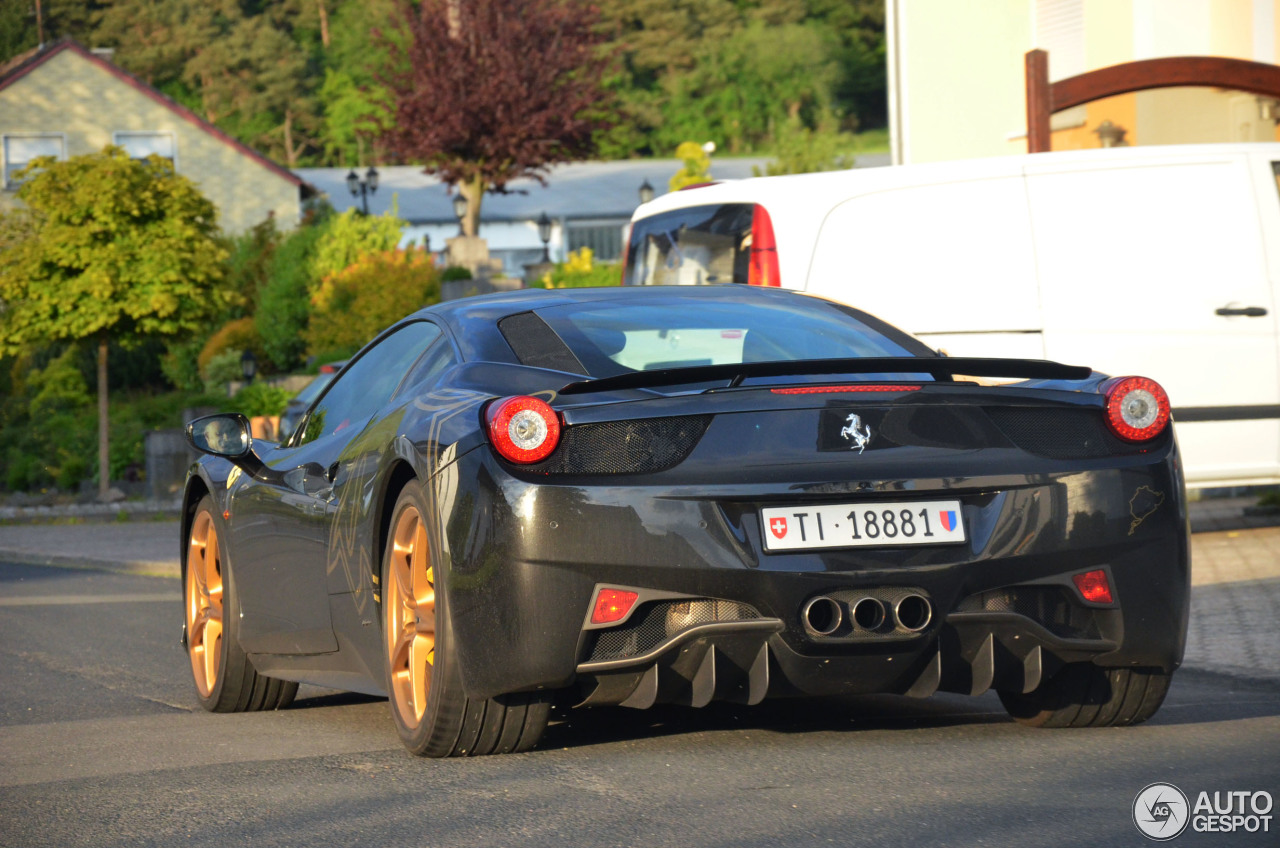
(1137, 408)
(523, 429)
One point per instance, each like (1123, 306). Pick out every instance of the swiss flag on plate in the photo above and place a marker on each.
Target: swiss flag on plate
(778, 526)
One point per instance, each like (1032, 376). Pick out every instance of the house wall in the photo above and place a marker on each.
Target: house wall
(957, 73)
(74, 96)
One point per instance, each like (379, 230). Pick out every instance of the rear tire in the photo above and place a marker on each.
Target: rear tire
(225, 679)
(1084, 695)
(432, 713)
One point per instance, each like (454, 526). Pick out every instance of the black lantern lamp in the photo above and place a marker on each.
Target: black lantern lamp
(248, 365)
(460, 211)
(363, 188)
(646, 192)
(544, 233)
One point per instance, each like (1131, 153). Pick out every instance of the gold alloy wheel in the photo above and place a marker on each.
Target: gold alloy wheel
(204, 603)
(410, 604)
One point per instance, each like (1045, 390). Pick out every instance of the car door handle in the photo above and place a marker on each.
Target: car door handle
(1246, 311)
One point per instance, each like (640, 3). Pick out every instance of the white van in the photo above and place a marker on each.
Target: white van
(1157, 261)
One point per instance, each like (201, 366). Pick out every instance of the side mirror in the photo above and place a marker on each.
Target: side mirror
(227, 434)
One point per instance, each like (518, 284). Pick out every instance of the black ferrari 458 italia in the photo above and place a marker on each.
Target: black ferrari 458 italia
(653, 495)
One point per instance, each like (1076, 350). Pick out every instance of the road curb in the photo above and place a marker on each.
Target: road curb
(136, 568)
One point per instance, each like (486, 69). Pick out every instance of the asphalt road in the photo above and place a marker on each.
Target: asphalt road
(103, 744)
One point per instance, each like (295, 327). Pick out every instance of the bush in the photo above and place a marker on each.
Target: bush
(580, 271)
(50, 429)
(455, 272)
(249, 265)
(222, 369)
(235, 336)
(282, 313)
(180, 367)
(351, 235)
(358, 302)
(260, 399)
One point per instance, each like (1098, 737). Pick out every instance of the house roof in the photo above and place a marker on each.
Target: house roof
(25, 63)
(574, 191)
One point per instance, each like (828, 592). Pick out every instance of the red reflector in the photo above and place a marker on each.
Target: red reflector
(856, 387)
(612, 605)
(762, 270)
(1094, 586)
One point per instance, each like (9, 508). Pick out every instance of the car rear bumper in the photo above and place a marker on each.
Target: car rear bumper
(726, 618)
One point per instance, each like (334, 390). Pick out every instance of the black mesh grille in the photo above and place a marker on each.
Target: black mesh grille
(1049, 606)
(642, 446)
(1061, 433)
(662, 620)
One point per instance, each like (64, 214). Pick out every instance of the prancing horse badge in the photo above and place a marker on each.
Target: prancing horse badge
(857, 432)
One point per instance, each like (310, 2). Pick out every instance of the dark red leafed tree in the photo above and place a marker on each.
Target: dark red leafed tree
(490, 90)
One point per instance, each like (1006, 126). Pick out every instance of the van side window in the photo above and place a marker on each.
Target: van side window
(699, 245)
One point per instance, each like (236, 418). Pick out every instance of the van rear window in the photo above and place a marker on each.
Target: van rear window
(699, 245)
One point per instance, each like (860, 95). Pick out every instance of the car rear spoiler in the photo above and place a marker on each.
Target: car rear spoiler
(941, 368)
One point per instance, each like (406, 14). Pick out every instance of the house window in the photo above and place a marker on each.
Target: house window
(605, 240)
(140, 145)
(19, 149)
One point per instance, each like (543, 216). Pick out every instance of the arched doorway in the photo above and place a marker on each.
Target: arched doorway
(1044, 98)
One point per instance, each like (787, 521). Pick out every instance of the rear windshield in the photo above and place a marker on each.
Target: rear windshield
(645, 337)
(701, 245)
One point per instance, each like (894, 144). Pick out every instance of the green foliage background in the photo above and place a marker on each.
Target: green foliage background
(301, 81)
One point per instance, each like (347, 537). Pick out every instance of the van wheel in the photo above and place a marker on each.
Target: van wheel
(1084, 695)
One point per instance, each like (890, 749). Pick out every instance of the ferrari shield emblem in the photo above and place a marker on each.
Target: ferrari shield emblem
(778, 526)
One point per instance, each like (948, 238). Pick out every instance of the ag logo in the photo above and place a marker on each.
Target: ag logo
(1161, 811)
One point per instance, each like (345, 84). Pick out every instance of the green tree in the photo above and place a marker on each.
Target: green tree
(254, 81)
(800, 150)
(354, 115)
(349, 236)
(250, 68)
(358, 108)
(114, 248)
(356, 303)
(21, 29)
(283, 312)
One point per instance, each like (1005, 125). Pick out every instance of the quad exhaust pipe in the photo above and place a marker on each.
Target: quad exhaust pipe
(867, 613)
(913, 613)
(824, 615)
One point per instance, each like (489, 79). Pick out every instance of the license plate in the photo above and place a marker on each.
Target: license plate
(862, 525)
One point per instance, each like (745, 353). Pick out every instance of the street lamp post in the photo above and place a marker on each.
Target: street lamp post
(248, 365)
(646, 192)
(363, 188)
(544, 233)
(460, 211)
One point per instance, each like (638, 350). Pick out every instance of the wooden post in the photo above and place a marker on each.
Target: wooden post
(1039, 102)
